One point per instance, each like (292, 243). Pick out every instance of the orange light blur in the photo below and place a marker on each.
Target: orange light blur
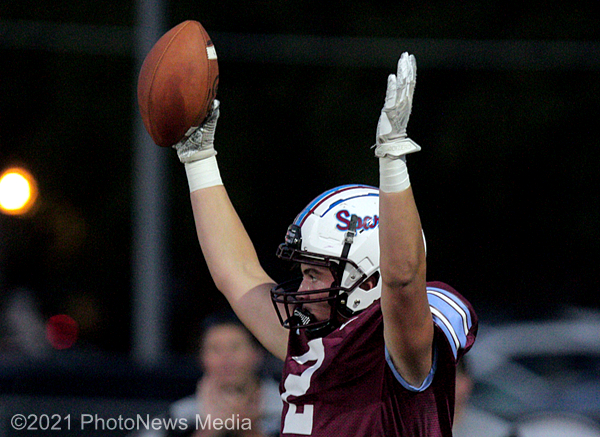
(18, 191)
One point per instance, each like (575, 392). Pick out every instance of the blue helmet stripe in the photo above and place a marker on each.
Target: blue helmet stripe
(317, 201)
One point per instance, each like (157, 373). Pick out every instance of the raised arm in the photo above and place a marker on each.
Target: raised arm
(227, 248)
(408, 324)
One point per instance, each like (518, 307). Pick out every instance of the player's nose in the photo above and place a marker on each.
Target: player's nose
(304, 286)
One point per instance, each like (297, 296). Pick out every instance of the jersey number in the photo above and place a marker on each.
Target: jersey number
(297, 385)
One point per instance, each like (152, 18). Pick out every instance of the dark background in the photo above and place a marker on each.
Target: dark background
(507, 181)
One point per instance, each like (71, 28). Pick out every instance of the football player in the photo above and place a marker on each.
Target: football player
(370, 348)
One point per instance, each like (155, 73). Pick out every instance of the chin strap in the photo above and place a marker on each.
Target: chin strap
(348, 240)
(300, 318)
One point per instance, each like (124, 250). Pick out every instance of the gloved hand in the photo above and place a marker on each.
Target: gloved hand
(391, 139)
(199, 140)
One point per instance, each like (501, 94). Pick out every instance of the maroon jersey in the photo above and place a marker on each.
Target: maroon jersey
(344, 384)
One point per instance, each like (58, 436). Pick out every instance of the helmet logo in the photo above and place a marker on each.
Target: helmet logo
(364, 224)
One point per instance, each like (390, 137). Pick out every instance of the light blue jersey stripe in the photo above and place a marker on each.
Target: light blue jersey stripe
(456, 302)
(428, 380)
(451, 315)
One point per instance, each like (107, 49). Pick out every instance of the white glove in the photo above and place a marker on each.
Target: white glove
(196, 150)
(391, 139)
(198, 142)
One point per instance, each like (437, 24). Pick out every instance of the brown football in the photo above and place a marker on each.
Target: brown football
(178, 82)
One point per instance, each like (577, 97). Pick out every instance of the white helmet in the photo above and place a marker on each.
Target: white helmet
(339, 230)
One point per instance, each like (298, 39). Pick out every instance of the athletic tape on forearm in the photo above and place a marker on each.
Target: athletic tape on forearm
(203, 173)
(393, 175)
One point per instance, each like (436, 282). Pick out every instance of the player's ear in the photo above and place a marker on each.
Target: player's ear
(370, 282)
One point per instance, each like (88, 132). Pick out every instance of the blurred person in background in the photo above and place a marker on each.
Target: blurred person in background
(22, 329)
(470, 421)
(232, 389)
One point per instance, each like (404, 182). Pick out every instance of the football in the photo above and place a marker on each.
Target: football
(178, 82)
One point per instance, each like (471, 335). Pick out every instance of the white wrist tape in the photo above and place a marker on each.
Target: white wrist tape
(203, 173)
(393, 175)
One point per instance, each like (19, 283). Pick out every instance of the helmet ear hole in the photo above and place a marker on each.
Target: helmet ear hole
(370, 282)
